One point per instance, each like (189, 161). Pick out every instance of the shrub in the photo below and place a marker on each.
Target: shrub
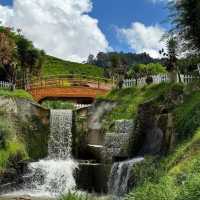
(164, 190)
(74, 196)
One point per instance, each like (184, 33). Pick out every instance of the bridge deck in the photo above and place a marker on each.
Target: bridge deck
(68, 88)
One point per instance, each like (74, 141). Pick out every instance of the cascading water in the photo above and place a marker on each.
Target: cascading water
(120, 176)
(60, 142)
(54, 175)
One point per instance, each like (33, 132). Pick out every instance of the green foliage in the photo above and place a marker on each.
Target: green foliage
(81, 196)
(188, 115)
(58, 105)
(164, 190)
(153, 174)
(191, 188)
(55, 66)
(131, 59)
(13, 149)
(74, 196)
(15, 93)
(178, 174)
(146, 69)
(129, 100)
(185, 16)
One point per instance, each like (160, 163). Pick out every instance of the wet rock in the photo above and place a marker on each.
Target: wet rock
(154, 131)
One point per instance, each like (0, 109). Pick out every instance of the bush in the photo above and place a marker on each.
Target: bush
(74, 196)
(164, 190)
(190, 189)
(58, 105)
(13, 149)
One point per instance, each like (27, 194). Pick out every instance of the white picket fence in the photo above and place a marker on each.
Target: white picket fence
(186, 79)
(79, 106)
(5, 85)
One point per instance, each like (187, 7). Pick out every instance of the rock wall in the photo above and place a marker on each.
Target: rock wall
(31, 123)
(154, 131)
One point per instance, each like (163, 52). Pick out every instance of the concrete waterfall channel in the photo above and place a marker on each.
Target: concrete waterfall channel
(54, 175)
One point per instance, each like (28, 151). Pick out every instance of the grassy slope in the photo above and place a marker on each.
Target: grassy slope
(129, 99)
(55, 66)
(15, 93)
(176, 176)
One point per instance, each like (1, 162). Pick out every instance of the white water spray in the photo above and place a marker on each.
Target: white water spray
(54, 175)
(120, 176)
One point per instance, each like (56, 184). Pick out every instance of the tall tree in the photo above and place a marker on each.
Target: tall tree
(30, 58)
(171, 58)
(8, 55)
(185, 16)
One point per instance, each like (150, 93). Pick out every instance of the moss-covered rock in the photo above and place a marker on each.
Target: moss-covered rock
(29, 122)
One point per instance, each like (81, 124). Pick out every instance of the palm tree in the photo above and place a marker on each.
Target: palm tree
(171, 58)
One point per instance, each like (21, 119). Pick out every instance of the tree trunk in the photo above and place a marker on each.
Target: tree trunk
(173, 76)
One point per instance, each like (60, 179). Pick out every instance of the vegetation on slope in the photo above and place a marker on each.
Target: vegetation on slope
(15, 93)
(12, 148)
(130, 98)
(177, 175)
(58, 104)
(55, 66)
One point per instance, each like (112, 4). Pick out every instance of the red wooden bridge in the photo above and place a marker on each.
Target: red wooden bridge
(74, 87)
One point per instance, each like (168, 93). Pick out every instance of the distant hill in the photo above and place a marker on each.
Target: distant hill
(131, 59)
(55, 66)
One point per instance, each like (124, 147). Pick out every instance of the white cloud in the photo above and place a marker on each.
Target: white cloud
(143, 38)
(62, 28)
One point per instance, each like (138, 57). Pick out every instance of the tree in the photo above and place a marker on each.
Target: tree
(146, 70)
(30, 59)
(91, 59)
(171, 58)
(8, 56)
(185, 16)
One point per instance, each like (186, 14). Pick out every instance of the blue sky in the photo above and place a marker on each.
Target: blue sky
(123, 25)
(122, 13)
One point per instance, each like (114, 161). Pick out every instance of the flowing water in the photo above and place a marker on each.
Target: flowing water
(120, 177)
(54, 175)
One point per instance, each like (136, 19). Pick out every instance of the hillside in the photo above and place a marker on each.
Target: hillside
(55, 66)
(175, 175)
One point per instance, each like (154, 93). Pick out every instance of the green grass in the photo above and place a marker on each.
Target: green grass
(54, 66)
(176, 176)
(180, 177)
(188, 115)
(58, 105)
(15, 93)
(129, 100)
(76, 196)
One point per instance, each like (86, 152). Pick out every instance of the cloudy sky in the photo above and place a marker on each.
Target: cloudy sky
(73, 29)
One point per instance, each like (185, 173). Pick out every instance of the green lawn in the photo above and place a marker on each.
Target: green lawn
(55, 66)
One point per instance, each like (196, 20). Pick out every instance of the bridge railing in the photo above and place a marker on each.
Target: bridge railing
(70, 80)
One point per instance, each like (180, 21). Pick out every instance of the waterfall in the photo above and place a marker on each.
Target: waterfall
(60, 142)
(120, 176)
(54, 175)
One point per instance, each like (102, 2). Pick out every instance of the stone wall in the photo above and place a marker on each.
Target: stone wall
(31, 123)
(154, 131)
(116, 144)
